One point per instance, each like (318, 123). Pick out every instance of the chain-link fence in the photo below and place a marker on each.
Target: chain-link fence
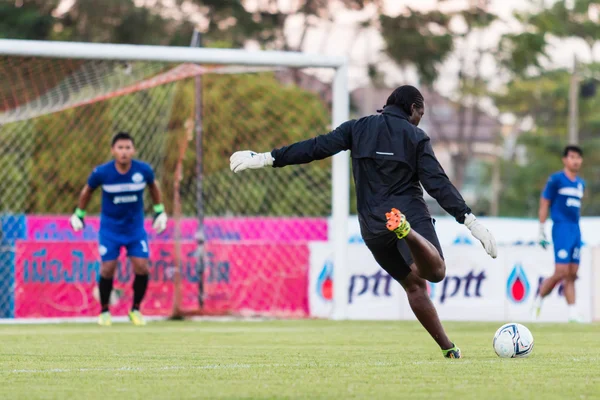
(57, 118)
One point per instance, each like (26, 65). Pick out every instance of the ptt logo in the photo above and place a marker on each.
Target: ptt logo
(378, 285)
(517, 285)
(465, 286)
(325, 282)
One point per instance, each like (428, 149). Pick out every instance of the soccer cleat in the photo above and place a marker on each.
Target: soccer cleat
(575, 317)
(535, 312)
(454, 352)
(104, 319)
(136, 317)
(397, 223)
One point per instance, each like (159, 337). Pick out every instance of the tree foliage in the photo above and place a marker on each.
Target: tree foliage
(32, 21)
(163, 22)
(526, 52)
(426, 40)
(56, 152)
(543, 100)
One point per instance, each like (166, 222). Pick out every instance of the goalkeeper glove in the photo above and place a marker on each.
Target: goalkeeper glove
(76, 220)
(543, 241)
(241, 160)
(481, 233)
(160, 218)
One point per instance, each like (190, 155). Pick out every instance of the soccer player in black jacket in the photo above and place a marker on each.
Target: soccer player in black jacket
(391, 158)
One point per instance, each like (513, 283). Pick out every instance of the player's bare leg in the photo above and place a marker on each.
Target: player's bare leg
(105, 286)
(424, 310)
(140, 284)
(429, 264)
(561, 272)
(569, 283)
(569, 288)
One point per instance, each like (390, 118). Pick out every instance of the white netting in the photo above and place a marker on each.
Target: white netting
(57, 117)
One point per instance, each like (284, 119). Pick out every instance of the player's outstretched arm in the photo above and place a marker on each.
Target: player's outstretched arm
(317, 148)
(160, 216)
(77, 219)
(438, 185)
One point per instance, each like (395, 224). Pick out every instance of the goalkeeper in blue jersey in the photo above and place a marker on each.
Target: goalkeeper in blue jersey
(562, 198)
(122, 220)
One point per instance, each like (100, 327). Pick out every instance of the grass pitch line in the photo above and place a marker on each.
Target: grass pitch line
(236, 366)
(126, 369)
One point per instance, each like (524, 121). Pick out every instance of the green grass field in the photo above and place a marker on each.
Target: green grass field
(291, 359)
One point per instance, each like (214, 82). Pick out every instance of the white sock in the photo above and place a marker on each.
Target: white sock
(572, 311)
(537, 303)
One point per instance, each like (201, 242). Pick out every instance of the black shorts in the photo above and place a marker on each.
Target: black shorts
(394, 256)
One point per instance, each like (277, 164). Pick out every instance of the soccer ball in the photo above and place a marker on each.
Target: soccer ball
(513, 341)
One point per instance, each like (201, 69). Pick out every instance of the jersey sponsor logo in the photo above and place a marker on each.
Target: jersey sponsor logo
(124, 187)
(137, 177)
(125, 199)
(562, 254)
(571, 191)
(571, 202)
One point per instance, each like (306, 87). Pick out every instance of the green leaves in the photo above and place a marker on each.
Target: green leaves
(46, 160)
(523, 52)
(520, 52)
(419, 39)
(26, 22)
(544, 101)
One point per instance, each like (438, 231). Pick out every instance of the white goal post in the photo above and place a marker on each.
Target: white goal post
(337, 234)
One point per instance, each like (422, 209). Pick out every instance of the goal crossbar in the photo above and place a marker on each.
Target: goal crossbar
(128, 52)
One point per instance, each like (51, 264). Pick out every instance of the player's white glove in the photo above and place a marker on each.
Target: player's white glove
(241, 160)
(543, 241)
(160, 219)
(481, 233)
(76, 220)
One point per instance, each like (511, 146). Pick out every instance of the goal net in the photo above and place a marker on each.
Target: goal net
(235, 244)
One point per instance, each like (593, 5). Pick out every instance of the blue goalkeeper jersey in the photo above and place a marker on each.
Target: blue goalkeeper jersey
(122, 212)
(565, 197)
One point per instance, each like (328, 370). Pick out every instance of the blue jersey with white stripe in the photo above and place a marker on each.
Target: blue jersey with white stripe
(565, 197)
(122, 198)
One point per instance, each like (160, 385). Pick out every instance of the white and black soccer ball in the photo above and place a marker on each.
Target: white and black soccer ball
(513, 341)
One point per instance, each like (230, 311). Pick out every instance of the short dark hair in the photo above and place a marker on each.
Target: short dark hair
(574, 149)
(404, 97)
(121, 136)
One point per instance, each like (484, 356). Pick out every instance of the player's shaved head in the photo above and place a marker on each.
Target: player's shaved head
(122, 136)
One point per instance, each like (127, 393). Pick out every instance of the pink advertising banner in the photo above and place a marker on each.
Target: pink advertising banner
(56, 228)
(58, 279)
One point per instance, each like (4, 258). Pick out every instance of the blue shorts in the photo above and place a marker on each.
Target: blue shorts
(110, 247)
(567, 243)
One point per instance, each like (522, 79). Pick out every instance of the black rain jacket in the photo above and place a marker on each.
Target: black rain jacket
(391, 158)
